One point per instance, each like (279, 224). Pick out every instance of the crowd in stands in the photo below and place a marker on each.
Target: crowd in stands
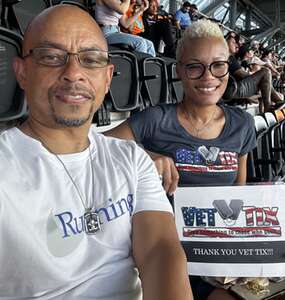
(144, 26)
(253, 70)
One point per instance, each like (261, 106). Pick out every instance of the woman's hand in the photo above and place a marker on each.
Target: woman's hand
(145, 5)
(167, 170)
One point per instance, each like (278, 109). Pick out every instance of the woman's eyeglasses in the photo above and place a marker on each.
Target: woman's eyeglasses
(218, 69)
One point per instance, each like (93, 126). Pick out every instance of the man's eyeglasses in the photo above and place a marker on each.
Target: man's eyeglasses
(54, 57)
(218, 69)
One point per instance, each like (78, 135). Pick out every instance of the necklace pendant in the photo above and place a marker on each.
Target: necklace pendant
(92, 222)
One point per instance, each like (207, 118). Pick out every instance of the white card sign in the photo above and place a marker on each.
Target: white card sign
(235, 231)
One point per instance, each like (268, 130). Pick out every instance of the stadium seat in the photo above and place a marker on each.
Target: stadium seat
(261, 153)
(280, 117)
(12, 104)
(275, 145)
(81, 4)
(154, 81)
(8, 17)
(26, 10)
(124, 89)
(175, 84)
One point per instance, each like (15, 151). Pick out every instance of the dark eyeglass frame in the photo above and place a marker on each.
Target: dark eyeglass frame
(208, 66)
(31, 52)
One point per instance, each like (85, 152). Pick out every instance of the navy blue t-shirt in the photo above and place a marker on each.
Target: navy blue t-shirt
(199, 161)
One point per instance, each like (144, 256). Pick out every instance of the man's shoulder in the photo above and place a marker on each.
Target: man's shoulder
(178, 12)
(7, 135)
(111, 144)
(11, 147)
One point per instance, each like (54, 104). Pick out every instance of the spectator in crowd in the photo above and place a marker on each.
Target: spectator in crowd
(250, 60)
(182, 16)
(82, 215)
(267, 56)
(158, 28)
(255, 47)
(197, 141)
(244, 55)
(249, 84)
(131, 21)
(108, 15)
(194, 12)
(154, 27)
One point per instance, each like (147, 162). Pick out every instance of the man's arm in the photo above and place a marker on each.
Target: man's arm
(178, 19)
(164, 165)
(159, 257)
(240, 74)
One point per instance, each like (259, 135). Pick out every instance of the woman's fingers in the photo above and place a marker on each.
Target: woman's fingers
(166, 168)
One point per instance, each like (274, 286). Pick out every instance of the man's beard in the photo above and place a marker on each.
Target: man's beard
(71, 122)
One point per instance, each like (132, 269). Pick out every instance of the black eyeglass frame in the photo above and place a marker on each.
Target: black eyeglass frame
(208, 66)
(67, 55)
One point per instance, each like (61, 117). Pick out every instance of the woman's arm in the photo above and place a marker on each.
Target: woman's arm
(119, 6)
(127, 21)
(242, 169)
(165, 165)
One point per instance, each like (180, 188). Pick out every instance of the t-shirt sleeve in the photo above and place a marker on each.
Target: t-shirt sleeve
(250, 136)
(150, 194)
(143, 123)
(178, 16)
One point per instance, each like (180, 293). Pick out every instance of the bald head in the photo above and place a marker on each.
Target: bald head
(62, 19)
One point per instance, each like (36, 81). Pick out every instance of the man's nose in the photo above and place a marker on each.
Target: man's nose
(73, 70)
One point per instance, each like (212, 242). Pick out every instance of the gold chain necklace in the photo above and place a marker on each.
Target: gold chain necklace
(91, 218)
(198, 130)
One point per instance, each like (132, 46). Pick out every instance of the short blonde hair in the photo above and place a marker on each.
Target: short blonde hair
(200, 29)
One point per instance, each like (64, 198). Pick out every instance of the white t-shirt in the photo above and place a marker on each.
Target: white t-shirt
(44, 251)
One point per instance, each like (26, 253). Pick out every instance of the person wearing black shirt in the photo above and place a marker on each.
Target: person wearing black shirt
(250, 84)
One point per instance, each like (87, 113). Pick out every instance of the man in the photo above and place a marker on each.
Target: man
(80, 213)
(182, 16)
(158, 28)
(194, 13)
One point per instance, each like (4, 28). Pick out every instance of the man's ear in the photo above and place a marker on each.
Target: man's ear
(178, 71)
(20, 71)
(109, 76)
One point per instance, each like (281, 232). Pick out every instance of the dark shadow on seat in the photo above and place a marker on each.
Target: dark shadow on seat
(154, 81)
(81, 4)
(123, 95)
(12, 104)
(175, 83)
(26, 10)
(124, 89)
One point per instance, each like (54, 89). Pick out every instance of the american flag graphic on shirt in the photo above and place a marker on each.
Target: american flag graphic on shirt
(206, 161)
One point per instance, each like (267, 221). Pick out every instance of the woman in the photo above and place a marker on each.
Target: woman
(207, 142)
(202, 140)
